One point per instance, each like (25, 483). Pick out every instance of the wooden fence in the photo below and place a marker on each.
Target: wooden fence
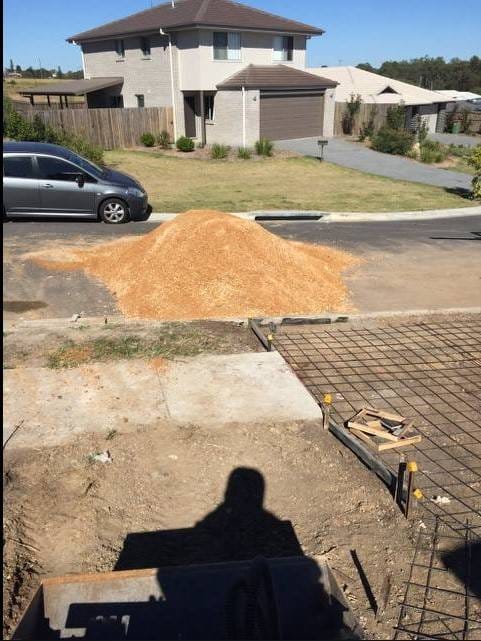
(23, 106)
(474, 121)
(361, 118)
(110, 128)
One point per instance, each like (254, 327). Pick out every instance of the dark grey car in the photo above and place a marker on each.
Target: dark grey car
(40, 179)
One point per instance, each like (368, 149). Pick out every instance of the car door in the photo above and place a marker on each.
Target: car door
(60, 193)
(21, 193)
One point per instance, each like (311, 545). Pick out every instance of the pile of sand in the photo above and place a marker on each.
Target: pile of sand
(207, 264)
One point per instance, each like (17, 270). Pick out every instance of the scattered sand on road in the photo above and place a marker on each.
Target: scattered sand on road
(207, 264)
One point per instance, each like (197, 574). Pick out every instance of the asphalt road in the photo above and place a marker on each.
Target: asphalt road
(376, 235)
(429, 264)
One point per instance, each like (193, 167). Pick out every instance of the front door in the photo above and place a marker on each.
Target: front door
(20, 185)
(59, 191)
(189, 113)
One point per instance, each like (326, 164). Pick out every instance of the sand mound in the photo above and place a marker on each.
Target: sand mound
(207, 264)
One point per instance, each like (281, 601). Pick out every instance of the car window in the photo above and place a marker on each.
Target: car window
(56, 169)
(18, 167)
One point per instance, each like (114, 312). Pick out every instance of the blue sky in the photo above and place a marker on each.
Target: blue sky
(356, 30)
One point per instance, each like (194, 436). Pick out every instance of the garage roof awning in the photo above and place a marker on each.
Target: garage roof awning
(275, 77)
(72, 87)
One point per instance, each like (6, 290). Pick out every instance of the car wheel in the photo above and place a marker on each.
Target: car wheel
(114, 211)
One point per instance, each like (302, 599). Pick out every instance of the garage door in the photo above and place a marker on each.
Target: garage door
(291, 115)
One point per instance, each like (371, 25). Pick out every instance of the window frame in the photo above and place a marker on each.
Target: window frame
(210, 97)
(32, 165)
(145, 46)
(142, 96)
(287, 53)
(87, 175)
(227, 59)
(120, 48)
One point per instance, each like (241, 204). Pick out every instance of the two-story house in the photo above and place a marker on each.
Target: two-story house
(232, 73)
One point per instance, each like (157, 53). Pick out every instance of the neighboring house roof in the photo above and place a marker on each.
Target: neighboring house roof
(72, 87)
(459, 95)
(374, 88)
(274, 77)
(196, 13)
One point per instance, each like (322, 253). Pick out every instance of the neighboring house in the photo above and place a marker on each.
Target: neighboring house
(231, 73)
(380, 90)
(463, 100)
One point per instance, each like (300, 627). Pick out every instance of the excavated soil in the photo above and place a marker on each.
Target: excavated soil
(207, 264)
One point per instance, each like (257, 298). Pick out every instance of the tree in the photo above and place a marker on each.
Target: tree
(11, 68)
(59, 72)
(365, 66)
(18, 69)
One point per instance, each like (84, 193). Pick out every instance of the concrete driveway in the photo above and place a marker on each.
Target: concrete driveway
(456, 139)
(356, 156)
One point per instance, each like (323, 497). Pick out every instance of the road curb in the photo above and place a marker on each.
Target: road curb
(340, 217)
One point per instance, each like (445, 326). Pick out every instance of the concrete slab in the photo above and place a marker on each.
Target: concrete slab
(217, 390)
(56, 405)
(53, 406)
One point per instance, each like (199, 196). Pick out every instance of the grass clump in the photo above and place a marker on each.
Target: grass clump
(175, 341)
(244, 153)
(264, 147)
(219, 152)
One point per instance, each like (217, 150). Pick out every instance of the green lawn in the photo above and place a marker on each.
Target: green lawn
(178, 184)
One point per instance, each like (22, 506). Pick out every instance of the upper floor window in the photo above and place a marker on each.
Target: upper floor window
(120, 48)
(145, 46)
(227, 45)
(283, 48)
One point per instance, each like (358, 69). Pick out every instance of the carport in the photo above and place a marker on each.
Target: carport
(72, 88)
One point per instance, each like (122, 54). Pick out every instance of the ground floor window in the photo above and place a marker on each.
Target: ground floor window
(140, 99)
(209, 110)
(116, 101)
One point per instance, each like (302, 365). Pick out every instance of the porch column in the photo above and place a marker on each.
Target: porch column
(202, 119)
(66, 102)
(48, 100)
(32, 100)
(61, 102)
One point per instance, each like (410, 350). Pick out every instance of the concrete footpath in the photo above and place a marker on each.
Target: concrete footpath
(339, 216)
(202, 392)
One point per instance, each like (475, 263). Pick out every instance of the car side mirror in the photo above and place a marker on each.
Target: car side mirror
(80, 180)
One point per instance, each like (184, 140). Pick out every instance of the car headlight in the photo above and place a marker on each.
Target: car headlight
(135, 191)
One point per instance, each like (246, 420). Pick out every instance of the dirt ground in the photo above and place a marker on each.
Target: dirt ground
(65, 513)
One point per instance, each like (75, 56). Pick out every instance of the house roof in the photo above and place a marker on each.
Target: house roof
(274, 77)
(196, 13)
(370, 86)
(72, 87)
(459, 95)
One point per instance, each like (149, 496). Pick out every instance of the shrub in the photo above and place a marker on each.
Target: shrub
(432, 151)
(353, 107)
(147, 139)
(185, 144)
(396, 117)
(264, 147)
(244, 153)
(218, 152)
(393, 141)
(475, 161)
(422, 129)
(18, 127)
(163, 139)
(367, 129)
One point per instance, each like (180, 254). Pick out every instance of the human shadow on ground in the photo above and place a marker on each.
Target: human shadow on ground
(239, 573)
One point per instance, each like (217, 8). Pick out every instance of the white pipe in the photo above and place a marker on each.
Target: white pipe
(243, 116)
(172, 87)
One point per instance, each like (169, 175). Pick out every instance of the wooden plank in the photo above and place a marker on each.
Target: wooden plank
(404, 442)
(372, 430)
(366, 456)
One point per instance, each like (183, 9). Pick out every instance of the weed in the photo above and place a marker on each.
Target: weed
(264, 147)
(219, 152)
(111, 434)
(244, 153)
